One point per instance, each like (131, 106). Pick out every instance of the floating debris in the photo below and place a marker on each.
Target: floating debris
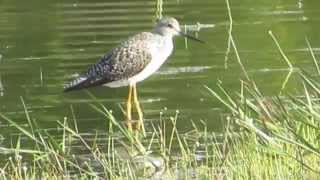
(198, 26)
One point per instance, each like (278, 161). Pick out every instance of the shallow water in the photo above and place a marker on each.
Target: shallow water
(44, 44)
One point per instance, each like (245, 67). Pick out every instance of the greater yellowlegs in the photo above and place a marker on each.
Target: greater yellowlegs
(132, 61)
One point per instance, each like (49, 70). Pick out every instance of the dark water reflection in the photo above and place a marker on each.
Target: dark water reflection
(44, 43)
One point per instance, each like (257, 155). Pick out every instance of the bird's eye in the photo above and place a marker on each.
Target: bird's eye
(170, 25)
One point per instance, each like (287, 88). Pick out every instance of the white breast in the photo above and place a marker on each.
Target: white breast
(160, 52)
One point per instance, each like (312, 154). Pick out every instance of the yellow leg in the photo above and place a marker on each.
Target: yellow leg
(139, 111)
(129, 108)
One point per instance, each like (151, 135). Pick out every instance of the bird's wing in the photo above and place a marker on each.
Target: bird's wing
(120, 63)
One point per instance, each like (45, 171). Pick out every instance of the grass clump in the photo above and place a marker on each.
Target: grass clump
(264, 138)
(277, 137)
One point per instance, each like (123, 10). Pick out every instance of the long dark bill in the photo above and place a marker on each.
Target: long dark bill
(191, 37)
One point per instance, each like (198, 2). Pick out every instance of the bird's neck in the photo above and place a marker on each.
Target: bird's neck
(162, 32)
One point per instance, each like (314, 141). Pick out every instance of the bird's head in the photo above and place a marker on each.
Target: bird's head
(169, 26)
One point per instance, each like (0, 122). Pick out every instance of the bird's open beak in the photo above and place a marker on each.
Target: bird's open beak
(190, 37)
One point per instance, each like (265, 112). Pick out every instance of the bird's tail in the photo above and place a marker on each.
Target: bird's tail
(77, 84)
(83, 82)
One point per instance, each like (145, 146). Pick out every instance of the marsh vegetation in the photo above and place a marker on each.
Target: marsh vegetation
(249, 107)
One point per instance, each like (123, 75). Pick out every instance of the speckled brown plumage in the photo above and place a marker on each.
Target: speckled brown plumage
(122, 62)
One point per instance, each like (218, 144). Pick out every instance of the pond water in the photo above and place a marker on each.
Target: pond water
(43, 44)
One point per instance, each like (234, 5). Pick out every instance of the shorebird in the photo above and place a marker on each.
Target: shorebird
(132, 61)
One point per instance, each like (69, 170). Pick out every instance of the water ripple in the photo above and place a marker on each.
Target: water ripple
(187, 69)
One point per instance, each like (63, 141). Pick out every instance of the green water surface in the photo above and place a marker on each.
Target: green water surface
(43, 44)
